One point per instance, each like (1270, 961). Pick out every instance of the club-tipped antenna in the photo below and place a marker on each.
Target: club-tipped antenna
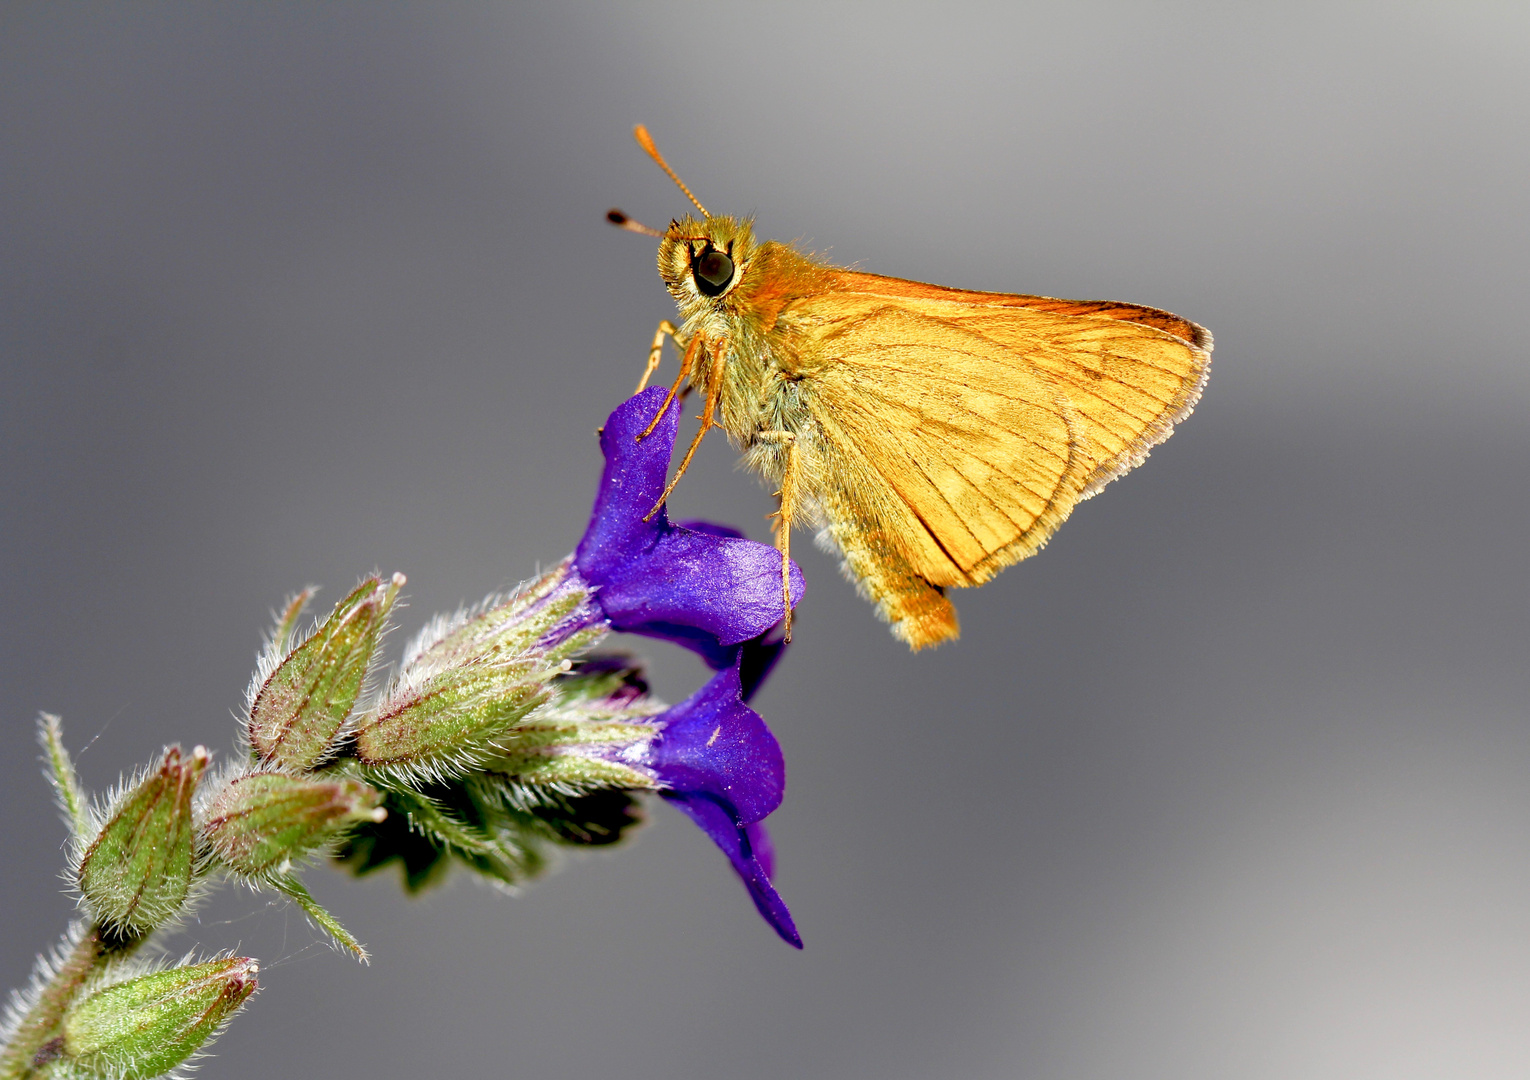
(645, 140)
(622, 221)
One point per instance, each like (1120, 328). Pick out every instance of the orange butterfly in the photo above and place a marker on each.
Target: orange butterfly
(935, 435)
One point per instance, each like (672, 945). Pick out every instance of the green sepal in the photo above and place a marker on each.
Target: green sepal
(578, 744)
(598, 819)
(263, 822)
(495, 847)
(476, 825)
(471, 680)
(502, 627)
(136, 873)
(446, 724)
(145, 1027)
(564, 773)
(286, 626)
(66, 785)
(294, 888)
(423, 861)
(299, 710)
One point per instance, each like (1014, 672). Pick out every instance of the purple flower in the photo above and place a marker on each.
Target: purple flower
(711, 590)
(705, 588)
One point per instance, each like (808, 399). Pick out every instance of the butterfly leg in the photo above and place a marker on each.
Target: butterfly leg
(708, 414)
(687, 361)
(655, 351)
(784, 517)
(786, 514)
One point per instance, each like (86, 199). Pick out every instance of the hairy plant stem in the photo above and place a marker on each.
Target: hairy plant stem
(37, 1038)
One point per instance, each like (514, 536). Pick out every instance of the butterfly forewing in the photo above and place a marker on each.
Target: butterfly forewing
(1127, 384)
(960, 429)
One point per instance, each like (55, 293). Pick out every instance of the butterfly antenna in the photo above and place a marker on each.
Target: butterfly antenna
(645, 140)
(622, 221)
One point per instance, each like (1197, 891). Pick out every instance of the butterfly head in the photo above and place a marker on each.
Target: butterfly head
(703, 260)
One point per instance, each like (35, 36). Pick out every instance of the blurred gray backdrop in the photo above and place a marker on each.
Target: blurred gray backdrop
(1233, 780)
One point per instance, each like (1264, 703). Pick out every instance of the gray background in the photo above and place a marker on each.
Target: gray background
(1231, 781)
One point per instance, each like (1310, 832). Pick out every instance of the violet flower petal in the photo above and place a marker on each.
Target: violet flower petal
(758, 656)
(739, 843)
(762, 846)
(699, 589)
(713, 744)
(721, 766)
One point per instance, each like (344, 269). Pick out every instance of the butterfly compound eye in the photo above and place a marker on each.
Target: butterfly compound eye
(713, 271)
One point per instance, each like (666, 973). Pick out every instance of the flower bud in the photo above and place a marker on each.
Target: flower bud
(145, 1027)
(468, 681)
(299, 709)
(136, 872)
(265, 821)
